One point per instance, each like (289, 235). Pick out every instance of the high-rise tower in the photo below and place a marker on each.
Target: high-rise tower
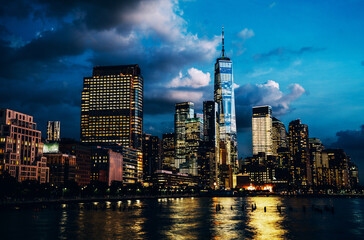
(225, 99)
(262, 130)
(184, 111)
(112, 107)
(53, 131)
(300, 152)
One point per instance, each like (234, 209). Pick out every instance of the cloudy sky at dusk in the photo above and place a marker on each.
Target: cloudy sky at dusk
(304, 58)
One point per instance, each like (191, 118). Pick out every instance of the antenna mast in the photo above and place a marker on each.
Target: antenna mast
(223, 47)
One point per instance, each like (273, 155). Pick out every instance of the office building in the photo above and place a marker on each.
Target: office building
(21, 149)
(167, 179)
(210, 157)
(319, 163)
(262, 130)
(184, 111)
(83, 155)
(107, 165)
(152, 155)
(112, 107)
(300, 167)
(62, 168)
(53, 131)
(225, 98)
(168, 151)
(279, 136)
(339, 163)
(193, 141)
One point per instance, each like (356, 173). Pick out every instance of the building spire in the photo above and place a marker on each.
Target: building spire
(223, 47)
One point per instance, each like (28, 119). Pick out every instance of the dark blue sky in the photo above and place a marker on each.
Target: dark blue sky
(304, 58)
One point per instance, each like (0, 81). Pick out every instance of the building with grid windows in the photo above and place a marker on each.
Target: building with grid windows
(262, 130)
(184, 111)
(53, 131)
(112, 107)
(21, 149)
(225, 98)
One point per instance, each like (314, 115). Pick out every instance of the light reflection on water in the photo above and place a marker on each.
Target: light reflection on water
(269, 224)
(191, 218)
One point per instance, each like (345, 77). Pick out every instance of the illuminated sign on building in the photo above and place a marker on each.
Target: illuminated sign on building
(51, 148)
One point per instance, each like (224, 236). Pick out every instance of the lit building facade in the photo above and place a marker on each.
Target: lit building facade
(184, 111)
(53, 131)
(152, 155)
(112, 107)
(225, 98)
(300, 167)
(279, 136)
(193, 141)
(167, 179)
(168, 151)
(83, 155)
(319, 163)
(21, 149)
(339, 163)
(262, 130)
(62, 168)
(210, 156)
(107, 165)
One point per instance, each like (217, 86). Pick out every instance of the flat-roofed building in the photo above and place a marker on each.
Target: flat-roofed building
(21, 149)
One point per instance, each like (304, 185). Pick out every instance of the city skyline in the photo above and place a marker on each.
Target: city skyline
(322, 69)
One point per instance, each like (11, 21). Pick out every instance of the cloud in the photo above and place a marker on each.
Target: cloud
(352, 141)
(272, 5)
(283, 52)
(86, 33)
(195, 79)
(246, 33)
(269, 93)
(260, 72)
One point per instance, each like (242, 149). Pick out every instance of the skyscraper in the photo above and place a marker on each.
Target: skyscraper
(279, 136)
(193, 141)
(168, 150)
(262, 130)
(152, 155)
(112, 107)
(300, 167)
(210, 156)
(225, 99)
(184, 111)
(53, 131)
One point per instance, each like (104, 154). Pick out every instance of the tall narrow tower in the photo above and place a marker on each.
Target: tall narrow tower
(262, 130)
(225, 99)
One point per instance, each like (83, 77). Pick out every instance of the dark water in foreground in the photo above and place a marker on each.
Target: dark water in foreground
(192, 218)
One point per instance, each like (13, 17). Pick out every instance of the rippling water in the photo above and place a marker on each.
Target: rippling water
(192, 218)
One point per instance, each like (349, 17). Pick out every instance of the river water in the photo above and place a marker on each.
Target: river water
(192, 218)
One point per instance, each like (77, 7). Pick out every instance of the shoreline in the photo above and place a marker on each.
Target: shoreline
(45, 202)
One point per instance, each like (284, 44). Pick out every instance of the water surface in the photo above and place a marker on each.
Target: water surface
(191, 218)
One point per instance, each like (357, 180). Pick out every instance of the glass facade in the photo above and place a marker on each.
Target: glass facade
(184, 111)
(224, 96)
(262, 130)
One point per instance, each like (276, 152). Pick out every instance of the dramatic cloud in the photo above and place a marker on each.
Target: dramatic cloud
(269, 93)
(284, 53)
(195, 79)
(246, 33)
(80, 34)
(352, 141)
